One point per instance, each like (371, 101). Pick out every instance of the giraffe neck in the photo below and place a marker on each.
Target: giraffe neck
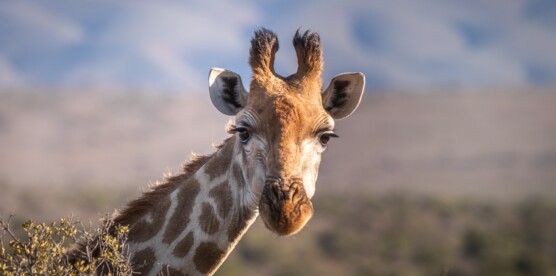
(193, 227)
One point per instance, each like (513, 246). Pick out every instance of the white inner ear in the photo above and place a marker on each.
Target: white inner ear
(226, 102)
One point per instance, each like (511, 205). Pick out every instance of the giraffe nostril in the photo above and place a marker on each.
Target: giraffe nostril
(272, 181)
(279, 189)
(295, 189)
(284, 205)
(290, 191)
(287, 194)
(273, 189)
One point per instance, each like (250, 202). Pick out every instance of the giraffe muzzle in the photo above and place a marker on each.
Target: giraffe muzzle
(284, 206)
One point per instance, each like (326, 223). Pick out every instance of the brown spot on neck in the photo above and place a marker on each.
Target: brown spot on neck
(143, 230)
(220, 162)
(222, 195)
(182, 248)
(207, 257)
(180, 217)
(239, 223)
(138, 208)
(208, 220)
(143, 261)
(238, 175)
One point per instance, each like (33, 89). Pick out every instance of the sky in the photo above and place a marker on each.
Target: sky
(171, 45)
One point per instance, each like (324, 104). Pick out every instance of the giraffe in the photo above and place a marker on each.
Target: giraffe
(267, 167)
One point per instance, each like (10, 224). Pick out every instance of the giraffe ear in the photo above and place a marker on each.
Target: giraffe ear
(226, 91)
(343, 94)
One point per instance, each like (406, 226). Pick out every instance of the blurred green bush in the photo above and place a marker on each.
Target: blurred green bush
(399, 234)
(393, 234)
(44, 248)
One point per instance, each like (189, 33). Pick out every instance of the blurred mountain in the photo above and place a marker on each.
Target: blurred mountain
(484, 144)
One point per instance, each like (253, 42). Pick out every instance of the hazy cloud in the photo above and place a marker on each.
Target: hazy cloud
(173, 44)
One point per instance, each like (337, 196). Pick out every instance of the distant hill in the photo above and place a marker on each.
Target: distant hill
(482, 144)
(499, 145)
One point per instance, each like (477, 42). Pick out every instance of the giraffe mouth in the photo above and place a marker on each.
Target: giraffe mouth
(285, 209)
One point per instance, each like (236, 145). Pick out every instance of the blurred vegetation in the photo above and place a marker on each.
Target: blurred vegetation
(43, 249)
(389, 234)
(400, 234)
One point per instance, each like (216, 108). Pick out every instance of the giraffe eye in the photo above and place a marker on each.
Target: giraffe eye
(243, 134)
(325, 137)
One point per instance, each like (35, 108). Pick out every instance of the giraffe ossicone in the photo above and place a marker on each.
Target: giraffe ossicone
(267, 167)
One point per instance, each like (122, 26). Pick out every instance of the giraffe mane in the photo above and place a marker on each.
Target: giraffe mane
(137, 208)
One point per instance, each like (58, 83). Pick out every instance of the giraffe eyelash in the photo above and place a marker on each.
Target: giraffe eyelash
(231, 128)
(331, 132)
(235, 129)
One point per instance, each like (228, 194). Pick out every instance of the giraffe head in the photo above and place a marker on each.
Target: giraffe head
(283, 125)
